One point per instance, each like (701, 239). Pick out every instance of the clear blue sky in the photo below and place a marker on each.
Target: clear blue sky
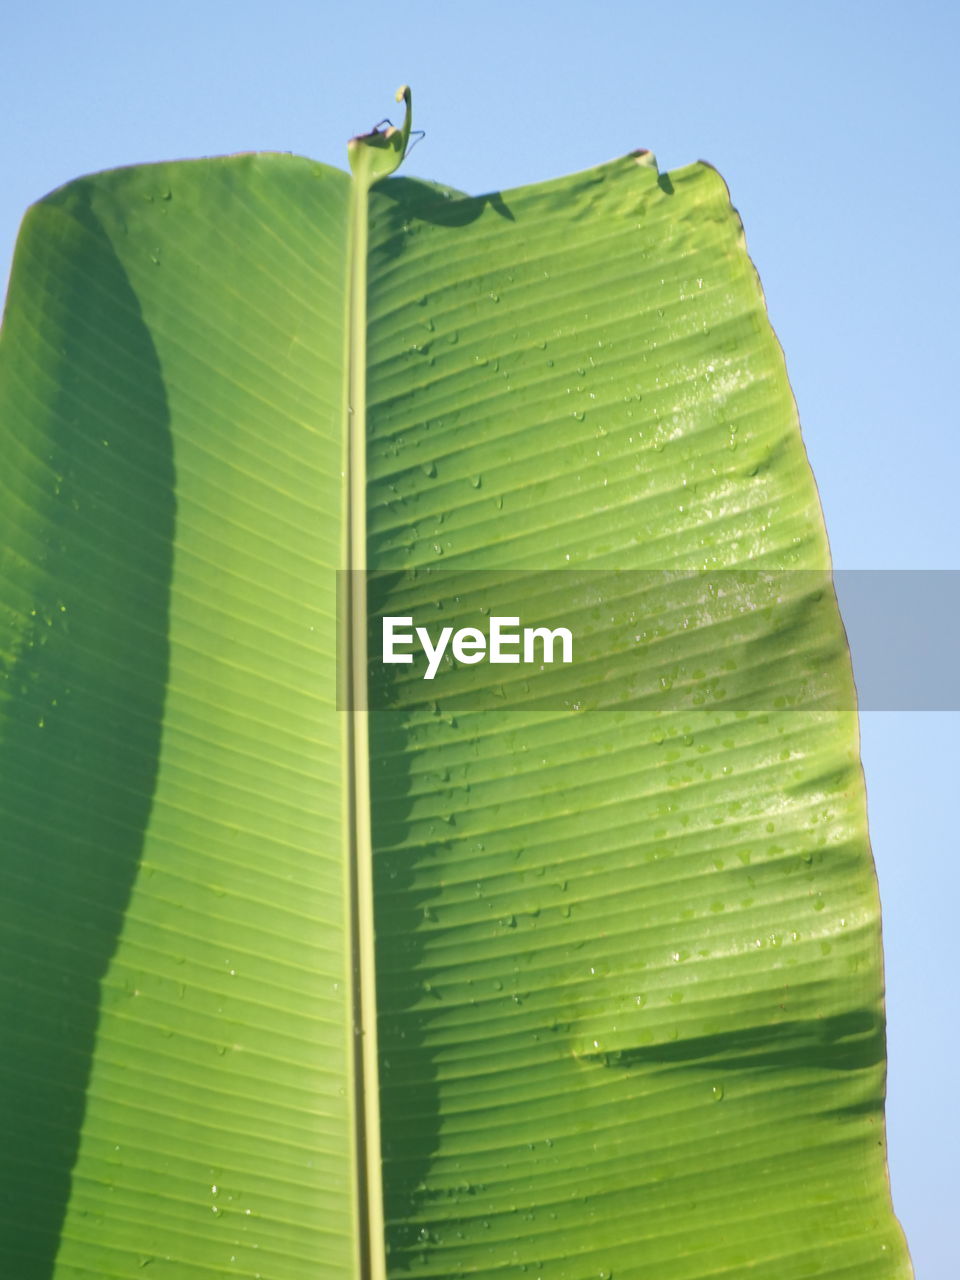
(835, 127)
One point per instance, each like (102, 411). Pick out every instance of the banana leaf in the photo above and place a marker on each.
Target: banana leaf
(300, 981)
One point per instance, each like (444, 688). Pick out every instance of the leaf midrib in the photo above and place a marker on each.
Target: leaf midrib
(371, 1255)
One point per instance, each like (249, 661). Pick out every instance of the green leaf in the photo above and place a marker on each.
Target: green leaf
(581, 993)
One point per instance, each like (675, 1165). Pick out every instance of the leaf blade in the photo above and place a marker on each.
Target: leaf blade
(218, 1115)
(570, 1084)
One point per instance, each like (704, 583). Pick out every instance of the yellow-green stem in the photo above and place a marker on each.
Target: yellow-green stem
(371, 1261)
(372, 156)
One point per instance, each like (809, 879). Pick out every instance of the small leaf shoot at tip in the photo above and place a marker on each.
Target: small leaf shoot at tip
(378, 153)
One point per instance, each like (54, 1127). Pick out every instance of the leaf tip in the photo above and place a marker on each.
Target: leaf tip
(378, 153)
